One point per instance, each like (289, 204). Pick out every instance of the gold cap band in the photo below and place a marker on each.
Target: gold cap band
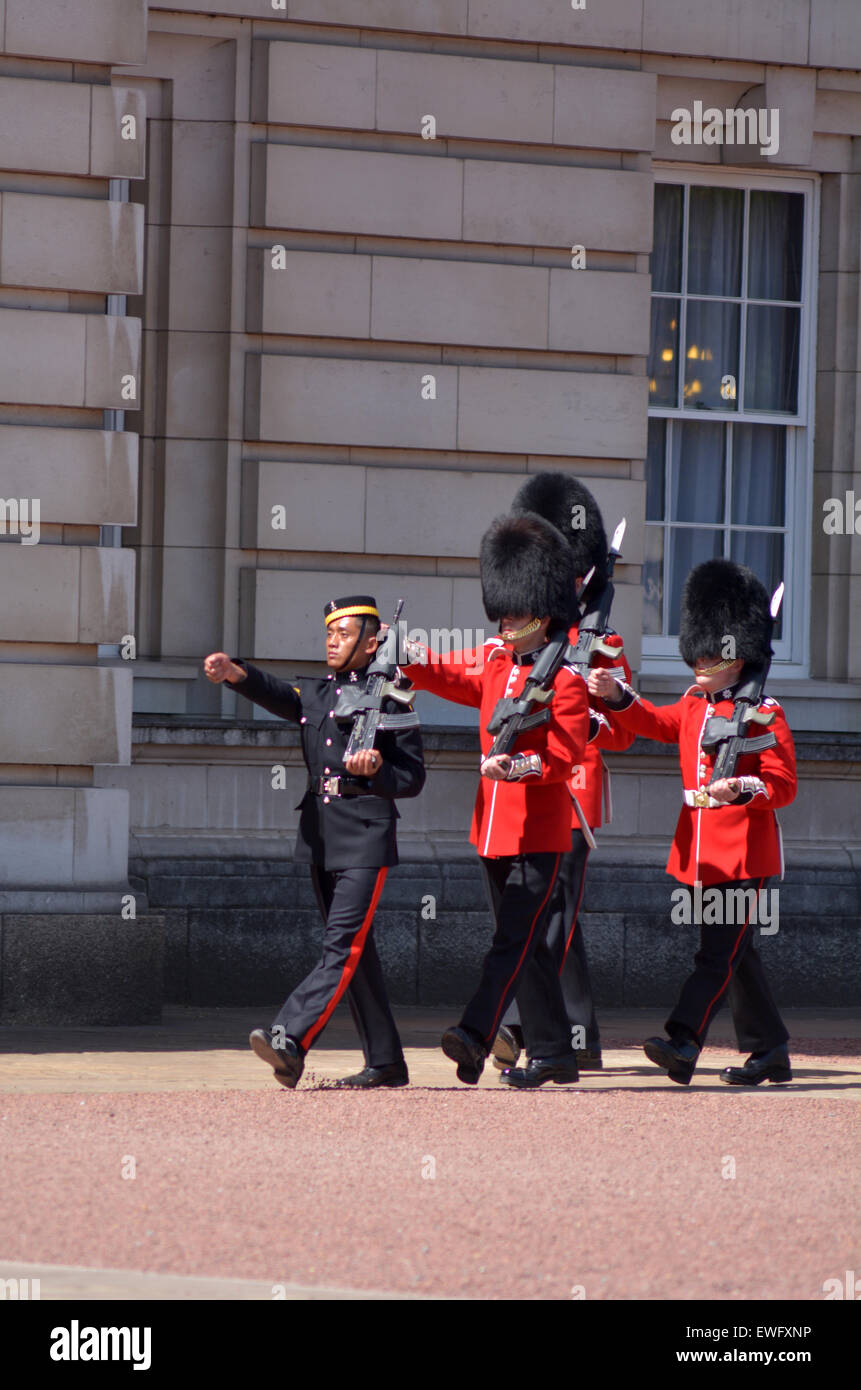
(357, 611)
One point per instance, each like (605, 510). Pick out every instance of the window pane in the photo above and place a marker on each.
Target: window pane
(653, 581)
(697, 472)
(775, 245)
(655, 470)
(689, 548)
(665, 262)
(714, 241)
(758, 475)
(711, 355)
(771, 359)
(664, 355)
(761, 551)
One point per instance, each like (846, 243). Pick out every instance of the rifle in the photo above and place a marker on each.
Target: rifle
(729, 735)
(515, 715)
(593, 624)
(364, 704)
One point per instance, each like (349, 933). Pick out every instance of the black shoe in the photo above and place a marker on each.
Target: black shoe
(392, 1074)
(469, 1054)
(287, 1061)
(768, 1066)
(506, 1047)
(589, 1058)
(677, 1058)
(562, 1070)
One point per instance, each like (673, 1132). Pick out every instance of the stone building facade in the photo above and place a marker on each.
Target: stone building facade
(292, 297)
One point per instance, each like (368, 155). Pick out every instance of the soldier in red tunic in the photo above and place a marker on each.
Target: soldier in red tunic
(521, 825)
(563, 500)
(727, 841)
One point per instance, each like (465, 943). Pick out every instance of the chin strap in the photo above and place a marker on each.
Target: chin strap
(521, 632)
(354, 648)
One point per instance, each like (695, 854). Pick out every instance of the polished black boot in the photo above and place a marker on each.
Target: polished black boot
(677, 1056)
(392, 1074)
(507, 1046)
(763, 1066)
(287, 1062)
(465, 1049)
(539, 1070)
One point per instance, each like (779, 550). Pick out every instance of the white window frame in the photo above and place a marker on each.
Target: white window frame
(791, 653)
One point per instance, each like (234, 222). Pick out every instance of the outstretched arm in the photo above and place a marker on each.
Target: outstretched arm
(278, 697)
(639, 716)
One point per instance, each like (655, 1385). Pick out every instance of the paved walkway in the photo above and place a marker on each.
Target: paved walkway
(166, 1163)
(207, 1049)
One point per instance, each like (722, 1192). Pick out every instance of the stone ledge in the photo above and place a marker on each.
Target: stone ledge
(196, 731)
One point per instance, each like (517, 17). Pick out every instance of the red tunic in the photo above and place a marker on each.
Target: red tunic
(533, 815)
(588, 784)
(721, 843)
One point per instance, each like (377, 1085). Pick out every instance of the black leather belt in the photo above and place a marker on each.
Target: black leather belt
(341, 786)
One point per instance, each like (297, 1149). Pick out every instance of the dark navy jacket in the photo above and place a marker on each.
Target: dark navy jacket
(344, 832)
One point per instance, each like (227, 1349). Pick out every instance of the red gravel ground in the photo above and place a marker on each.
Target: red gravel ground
(620, 1193)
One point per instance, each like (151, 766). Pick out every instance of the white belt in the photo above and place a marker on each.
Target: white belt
(700, 797)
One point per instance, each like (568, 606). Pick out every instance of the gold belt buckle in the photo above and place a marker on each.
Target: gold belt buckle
(701, 797)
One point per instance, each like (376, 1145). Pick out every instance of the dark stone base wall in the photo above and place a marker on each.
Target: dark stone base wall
(244, 932)
(75, 969)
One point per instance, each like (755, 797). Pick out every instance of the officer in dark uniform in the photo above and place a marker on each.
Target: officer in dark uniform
(347, 835)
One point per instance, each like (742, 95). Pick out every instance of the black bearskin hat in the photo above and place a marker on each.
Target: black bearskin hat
(527, 568)
(554, 496)
(722, 599)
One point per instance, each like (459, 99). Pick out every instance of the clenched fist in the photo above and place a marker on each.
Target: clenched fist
(218, 667)
(602, 684)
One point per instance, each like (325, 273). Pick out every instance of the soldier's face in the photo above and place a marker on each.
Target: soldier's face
(340, 640)
(710, 680)
(533, 630)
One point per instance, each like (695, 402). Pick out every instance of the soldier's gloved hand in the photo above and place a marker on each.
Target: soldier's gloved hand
(366, 764)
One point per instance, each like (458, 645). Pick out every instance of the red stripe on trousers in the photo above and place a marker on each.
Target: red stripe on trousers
(574, 922)
(350, 964)
(731, 959)
(495, 1024)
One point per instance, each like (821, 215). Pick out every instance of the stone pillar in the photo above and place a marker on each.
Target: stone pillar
(71, 949)
(836, 606)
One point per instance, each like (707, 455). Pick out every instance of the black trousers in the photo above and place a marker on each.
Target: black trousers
(347, 899)
(520, 888)
(564, 937)
(728, 968)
